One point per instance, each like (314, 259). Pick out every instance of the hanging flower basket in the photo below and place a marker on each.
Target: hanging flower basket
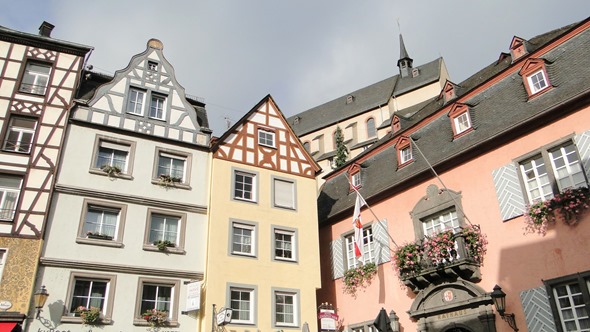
(90, 316)
(407, 259)
(359, 277)
(568, 206)
(156, 317)
(475, 242)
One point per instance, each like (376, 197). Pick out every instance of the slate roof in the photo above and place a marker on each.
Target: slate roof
(364, 99)
(26, 38)
(91, 81)
(500, 113)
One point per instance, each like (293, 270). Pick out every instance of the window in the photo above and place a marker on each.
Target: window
(152, 66)
(537, 81)
(135, 101)
(244, 186)
(9, 191)
(569, 301)
(284, 244)
(164, 228)
(242, 302)
(157, 294)
(19, 137)
(171, 166)
(405, 155)
(165, 231)
(286, 308)
(461, 123)
(551, 171)
(157, 106)
(35, 78)
(266, 138)
(368, 248)
(243, 239)
(441, 222)
(306, 147)
(90, 290)
(102, 223)
(371, 131)
(284, 193)
(3, 255)
(113, 158)
(356, 180)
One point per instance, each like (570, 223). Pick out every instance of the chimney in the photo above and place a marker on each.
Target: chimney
(45, 29)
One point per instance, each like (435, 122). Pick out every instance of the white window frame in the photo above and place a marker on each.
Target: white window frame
(117, 238)
(356, 180)
(280, 232)
(113, 148)
(440, 222)
(266, 137)
(283, 202)
(107, 307)
(295, 306)
(36, 77)
(135, 103)
(174, 286)
(368, 248)
(157, 103)
(101, 225)
(170, 167)
(237, 230)
(235, 305)
(21, 132)
(540, 172)
(569, 294)
(405, 154)
(5, 191)
(165, 234)
(537, 81)
(462, 122)
(239, 187)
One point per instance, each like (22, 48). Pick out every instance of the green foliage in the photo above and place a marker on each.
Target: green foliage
(341, 149)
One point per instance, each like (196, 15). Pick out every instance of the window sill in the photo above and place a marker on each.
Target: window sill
(405, 164)
(123, 176)
(244, 255)
(99, 242)
(244, 200)
(157, 119)
(177, 185)
(78, 320)
(267, 146)
(540, 92)
(285, 207)
(463, 133)
(284, 260)
(168, 250)
(17, 152)
(142, 322)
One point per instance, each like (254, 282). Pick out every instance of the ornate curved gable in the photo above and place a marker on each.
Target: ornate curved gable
(263, 138)
(146, 98)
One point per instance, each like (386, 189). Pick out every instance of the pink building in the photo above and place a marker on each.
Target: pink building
(515, 134)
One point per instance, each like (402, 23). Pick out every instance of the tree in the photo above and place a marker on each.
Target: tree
(341, 149)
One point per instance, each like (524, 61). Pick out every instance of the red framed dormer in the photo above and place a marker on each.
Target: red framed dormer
(449, 91)
(395, 124)
(517, 48)
(354, 177)
(461, 120)
(405, 155)
(534, 76)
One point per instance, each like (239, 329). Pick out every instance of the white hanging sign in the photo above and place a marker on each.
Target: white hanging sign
(193, 296)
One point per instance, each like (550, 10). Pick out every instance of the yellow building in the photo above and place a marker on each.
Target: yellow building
(263, 258)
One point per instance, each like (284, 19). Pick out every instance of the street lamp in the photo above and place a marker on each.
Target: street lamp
(40, 297)
(499, 298)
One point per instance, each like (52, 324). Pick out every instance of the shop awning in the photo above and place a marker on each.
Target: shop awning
(7, 327)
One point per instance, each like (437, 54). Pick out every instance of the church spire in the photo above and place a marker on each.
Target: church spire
(405, 62)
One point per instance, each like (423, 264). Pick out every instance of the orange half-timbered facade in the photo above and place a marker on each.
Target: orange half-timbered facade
(263, 258)
(39, 76)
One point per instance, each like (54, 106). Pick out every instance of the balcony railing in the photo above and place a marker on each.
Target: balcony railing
(446, 256)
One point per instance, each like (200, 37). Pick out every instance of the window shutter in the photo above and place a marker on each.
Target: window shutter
(337, 257)
(508, 191)
(381, 240)
(537, 310)
(284, 193)
(582, 141)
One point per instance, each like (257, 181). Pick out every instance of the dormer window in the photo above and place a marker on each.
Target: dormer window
(349, 99)
(356, 180)
(517, 48)
(449, 91)
(354, 173)
(461, 119)
(395, 124)
(266, 137)
(404, 152)
(534, 75)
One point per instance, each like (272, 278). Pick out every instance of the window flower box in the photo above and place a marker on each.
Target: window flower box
(111, 170)
(359, 277)
(156, 317)
(90, 316)
(167, 180)
(568, 206)
(163, 245)
(98, 236)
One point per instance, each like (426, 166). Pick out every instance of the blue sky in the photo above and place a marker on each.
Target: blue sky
(304, 52)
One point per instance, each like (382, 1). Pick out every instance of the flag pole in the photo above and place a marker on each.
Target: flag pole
(374, 215)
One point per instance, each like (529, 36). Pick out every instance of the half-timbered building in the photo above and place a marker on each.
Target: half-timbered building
(263, 259)
(127, 233)
(38, 79)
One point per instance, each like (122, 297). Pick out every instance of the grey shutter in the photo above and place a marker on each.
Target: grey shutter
(582, 141)
(337, 259)
(508, 191)
(537, 310)
(381, 242)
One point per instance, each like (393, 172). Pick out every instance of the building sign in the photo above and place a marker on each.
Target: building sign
(193, 296)
(5, 305)
(328, 319)
(448, 296)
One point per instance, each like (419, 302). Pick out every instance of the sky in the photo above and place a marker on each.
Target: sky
(304, 53)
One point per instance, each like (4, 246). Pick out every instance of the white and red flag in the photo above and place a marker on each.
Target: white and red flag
(358, 227)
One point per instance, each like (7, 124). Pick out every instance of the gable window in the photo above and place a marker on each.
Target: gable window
(284, 244)
(9, 191)
(368, 248)
(165, 230)
(152, 66)
(243, 239)
(266, 138)
(90, 290)
(35, 78)
(371, 130)
(551, 171)
(19, 137)
(284, 193)
(244, 186)
(286, 308)
(157, 106)
(157, 294)
(569, 301)
(242, 303)
(135, 101)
